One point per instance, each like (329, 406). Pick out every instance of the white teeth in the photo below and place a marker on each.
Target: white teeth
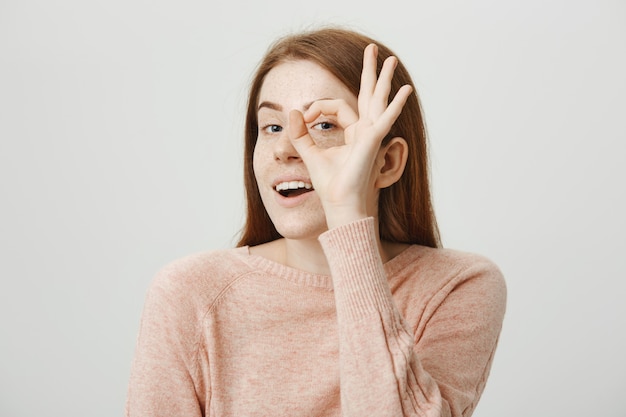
(293, 185)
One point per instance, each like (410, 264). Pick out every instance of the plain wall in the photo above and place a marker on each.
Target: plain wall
(120, 150)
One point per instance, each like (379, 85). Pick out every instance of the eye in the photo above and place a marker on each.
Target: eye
(327, 133)
(324, 126)
(272, 129)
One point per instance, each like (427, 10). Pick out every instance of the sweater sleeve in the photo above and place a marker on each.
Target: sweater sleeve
(164, 378)
(384, 371)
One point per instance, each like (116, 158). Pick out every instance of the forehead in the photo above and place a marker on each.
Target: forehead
(293, 82)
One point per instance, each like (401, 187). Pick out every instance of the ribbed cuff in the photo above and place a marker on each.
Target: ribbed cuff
(359, 278)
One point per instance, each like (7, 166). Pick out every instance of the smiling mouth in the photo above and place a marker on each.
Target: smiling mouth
(293, 188)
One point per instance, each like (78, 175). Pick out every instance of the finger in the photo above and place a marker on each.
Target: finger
(340, 109)
(388, 118)
(299, 134)
(368, 77)
(380, 96)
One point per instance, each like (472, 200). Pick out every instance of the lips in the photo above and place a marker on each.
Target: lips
(291, 191)
(293, 188)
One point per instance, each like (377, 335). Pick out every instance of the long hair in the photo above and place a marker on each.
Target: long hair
(405, 209)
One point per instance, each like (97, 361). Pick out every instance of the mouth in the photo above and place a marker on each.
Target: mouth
(293, 188)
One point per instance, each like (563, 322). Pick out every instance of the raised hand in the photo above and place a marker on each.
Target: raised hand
(344, 176)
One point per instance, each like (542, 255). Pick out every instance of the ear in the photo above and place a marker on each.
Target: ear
(390, 162)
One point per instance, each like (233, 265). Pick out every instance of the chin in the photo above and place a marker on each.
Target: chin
(299, 230)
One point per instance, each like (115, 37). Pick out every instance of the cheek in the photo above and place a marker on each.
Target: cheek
(258, 159)
(327, 139)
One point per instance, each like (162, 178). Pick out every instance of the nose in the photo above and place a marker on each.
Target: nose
(284, 150)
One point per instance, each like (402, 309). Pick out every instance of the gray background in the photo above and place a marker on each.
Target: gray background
(120, 148)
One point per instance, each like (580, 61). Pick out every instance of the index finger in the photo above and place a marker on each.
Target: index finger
(344, 113)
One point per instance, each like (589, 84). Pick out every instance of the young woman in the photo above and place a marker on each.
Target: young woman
(339, 300)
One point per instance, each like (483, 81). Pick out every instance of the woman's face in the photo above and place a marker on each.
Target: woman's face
(282, 177)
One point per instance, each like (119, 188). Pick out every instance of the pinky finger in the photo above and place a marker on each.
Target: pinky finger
(395, 107)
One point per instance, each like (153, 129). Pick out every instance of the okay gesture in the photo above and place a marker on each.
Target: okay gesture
(344, 176)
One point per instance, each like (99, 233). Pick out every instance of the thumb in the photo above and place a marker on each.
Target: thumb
(298, 133)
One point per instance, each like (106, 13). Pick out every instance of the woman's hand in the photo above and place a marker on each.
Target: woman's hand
(344, 176)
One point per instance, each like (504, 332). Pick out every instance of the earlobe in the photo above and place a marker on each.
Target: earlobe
(393, 157)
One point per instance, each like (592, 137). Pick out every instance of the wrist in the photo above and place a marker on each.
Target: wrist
(340, 216)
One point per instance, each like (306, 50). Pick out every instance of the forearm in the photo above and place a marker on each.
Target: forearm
(380, 373)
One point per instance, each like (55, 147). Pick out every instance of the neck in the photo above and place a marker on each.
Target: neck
(307, 254)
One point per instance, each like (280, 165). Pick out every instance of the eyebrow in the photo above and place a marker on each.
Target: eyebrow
(274, 106)
(270, 105)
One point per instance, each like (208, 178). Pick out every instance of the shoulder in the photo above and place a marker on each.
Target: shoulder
(461, 265)
(450, 262)
(441, 272)
(198, 279)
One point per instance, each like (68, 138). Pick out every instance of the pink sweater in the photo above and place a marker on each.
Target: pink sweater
(227, 333)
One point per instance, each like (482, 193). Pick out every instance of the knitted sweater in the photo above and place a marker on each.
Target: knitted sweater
(227, 333)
